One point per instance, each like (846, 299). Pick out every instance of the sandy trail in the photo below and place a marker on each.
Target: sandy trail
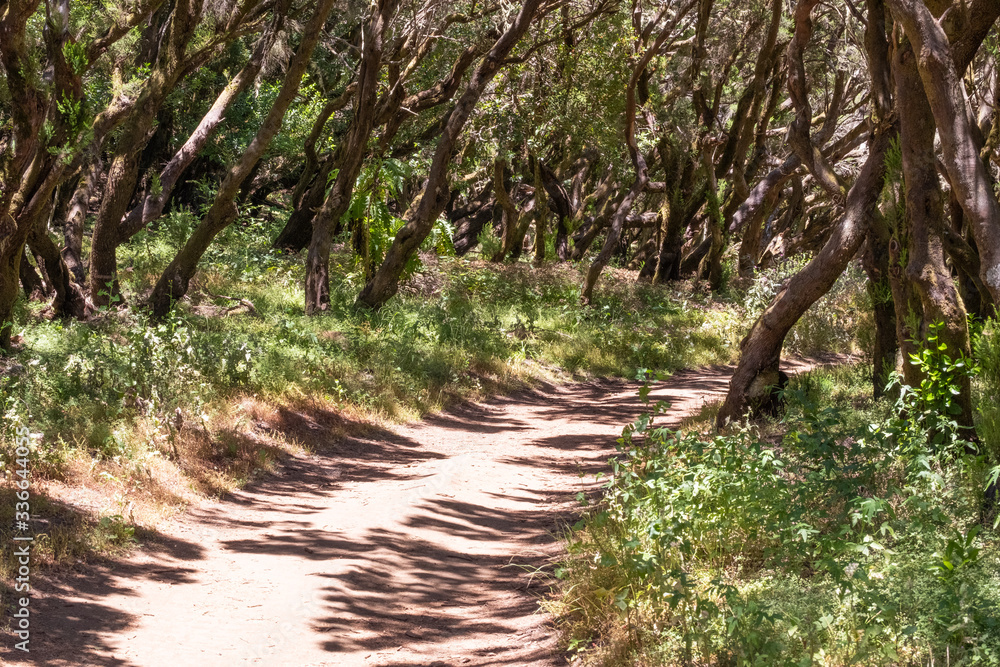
(407, 548)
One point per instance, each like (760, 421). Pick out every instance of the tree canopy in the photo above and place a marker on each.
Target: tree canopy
(693, 137)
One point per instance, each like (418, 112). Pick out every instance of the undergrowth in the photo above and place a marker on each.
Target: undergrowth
(854, 536)
(160, 413)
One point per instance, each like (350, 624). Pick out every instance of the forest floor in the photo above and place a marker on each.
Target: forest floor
(430, 544)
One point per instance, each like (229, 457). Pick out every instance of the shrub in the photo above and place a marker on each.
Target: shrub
(838, 543)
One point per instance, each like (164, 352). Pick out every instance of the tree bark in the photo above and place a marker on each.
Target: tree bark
(310, 192)
(541, 214)
(123, 172)
(559, 201)
(28, 109)
(10, 278)
(875, 260)
(925, 269)
(761, 349)
(684, 206)
(34, 287)
(297, 232)
(420, 220)
(69, 300)
(713, 260)
(511, 218)
(150, 207)
(76, 218)
(638, 160)
(173, 282)
(351, 155)
(942, 82)
(798, 131)
(31, 169)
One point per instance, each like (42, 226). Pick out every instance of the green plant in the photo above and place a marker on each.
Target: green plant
(843, 542)
(986, 387)
(488, 242)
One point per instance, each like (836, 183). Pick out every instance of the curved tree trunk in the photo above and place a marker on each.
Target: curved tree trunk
(151, 205)
(310, 191)
(799, 131)
(683, 209)
(761, 349)
(559, 200)
(173, 282)
(34, 287)
(614, 232)
(69, 300)
(10, 280)
(298, 231)
(638, 160)
(753, 233)
(385, 283)
(123, 172)
(940, 65)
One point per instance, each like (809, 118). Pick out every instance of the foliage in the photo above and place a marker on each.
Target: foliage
(986, 348)
(839, 543)
(460, 328)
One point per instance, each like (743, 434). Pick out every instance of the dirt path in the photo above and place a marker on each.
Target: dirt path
(407, 548)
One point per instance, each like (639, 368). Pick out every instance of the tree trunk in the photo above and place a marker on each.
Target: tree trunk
(559, 200)
(638, 160)
(683, 208)
(925, 269)
(753, 233)
(754, 208)
(471, 219)
(941, 76)
(31, 281)
(876, 264)
(511, 218)
(799, 131)
(173, 282)
(10, 279)
(587, 232)
(150, 206)
(713, 261)
(122, 176)
(76, 218)
(906, 302)
(69, 299)
(168, 67)
(385, 283)
(614, 233)
(350, 158)
(297, 232)
(761, 349)
(966, 263)
(541, 214)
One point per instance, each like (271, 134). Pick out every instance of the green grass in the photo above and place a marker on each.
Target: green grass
(105, 397)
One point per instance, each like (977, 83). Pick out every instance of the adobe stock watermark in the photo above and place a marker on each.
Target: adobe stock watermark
(21, 625)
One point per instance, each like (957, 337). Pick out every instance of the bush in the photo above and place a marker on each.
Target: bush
(836, 544)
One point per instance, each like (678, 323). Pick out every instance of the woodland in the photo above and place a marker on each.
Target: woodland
(384, 207)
